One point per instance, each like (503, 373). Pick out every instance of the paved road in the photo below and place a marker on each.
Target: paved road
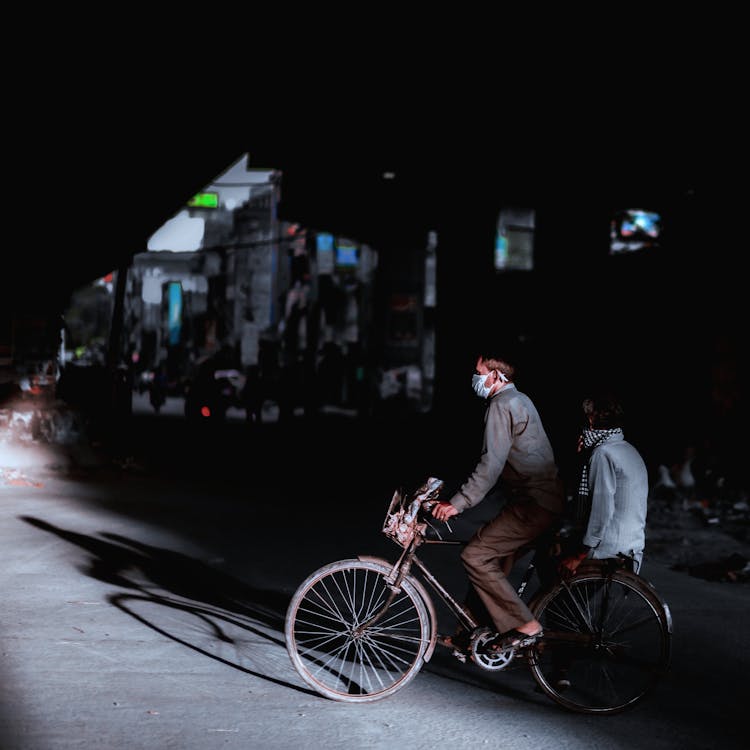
(143, 608)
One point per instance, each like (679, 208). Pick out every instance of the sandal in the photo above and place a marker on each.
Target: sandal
(512, 639)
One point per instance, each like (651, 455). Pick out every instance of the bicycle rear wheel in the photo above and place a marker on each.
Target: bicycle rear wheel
(330, 650)
(607, 640)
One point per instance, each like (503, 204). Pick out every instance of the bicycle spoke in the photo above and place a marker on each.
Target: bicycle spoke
(616, 608)
(350, 597)
(389, 663)
(566, 617)
(645, 619)
(391, 649)
(610, 683)
(581, 600)
(388, 623)
(617, 661)
(370, 607)
(324, 667)
(322, 641)
(403, 637)
(348, 601)
(331, 603)
(374, 670)
(320, 615)
(329, 646)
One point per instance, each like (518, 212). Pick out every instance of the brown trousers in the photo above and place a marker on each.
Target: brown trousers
(489, 556)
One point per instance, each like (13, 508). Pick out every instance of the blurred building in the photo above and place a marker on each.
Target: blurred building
(312, 320)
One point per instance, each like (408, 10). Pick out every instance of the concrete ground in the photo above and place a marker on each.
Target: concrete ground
(143, 607)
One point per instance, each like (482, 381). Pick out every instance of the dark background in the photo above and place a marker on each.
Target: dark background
(110, 138)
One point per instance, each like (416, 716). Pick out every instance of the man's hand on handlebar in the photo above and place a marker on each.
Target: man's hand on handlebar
(443, 511)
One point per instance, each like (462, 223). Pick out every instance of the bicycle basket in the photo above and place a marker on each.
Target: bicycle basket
(401, 521)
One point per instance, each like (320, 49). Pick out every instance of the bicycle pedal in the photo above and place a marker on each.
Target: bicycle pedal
(460, 655)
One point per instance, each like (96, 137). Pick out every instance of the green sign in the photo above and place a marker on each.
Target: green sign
(204, 200)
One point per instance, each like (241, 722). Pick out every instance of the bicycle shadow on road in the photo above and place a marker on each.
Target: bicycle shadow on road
(188, 601)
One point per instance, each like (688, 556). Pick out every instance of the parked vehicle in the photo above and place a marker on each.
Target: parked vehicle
(213, 390)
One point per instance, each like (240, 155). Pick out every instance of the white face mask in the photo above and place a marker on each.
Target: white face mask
(479, 383)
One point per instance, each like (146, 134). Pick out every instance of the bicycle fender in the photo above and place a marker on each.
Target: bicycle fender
(426, 598)
(626, 575)
(654, 592)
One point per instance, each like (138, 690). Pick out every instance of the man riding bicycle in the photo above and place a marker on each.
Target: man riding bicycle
(516, 451)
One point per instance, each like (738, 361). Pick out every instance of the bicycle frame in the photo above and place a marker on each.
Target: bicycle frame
(402, 568)
(360, 629)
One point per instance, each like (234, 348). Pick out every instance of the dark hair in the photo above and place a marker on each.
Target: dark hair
(605, 411)
(502, 365)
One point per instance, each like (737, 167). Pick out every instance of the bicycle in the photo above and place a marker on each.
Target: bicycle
(360, 629)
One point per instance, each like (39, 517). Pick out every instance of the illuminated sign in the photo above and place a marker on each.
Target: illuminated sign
(634, 229)
(347, 253)
(346, 256)
(204, 200)
(175, 312)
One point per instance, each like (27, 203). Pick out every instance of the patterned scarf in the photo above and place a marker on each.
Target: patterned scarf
(591, 439)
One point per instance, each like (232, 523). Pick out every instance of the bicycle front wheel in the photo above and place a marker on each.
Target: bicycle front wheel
(606, 642)
(331, 649)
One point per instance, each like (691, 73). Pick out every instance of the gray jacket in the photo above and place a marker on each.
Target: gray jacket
(517, 450)
(618, 479)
